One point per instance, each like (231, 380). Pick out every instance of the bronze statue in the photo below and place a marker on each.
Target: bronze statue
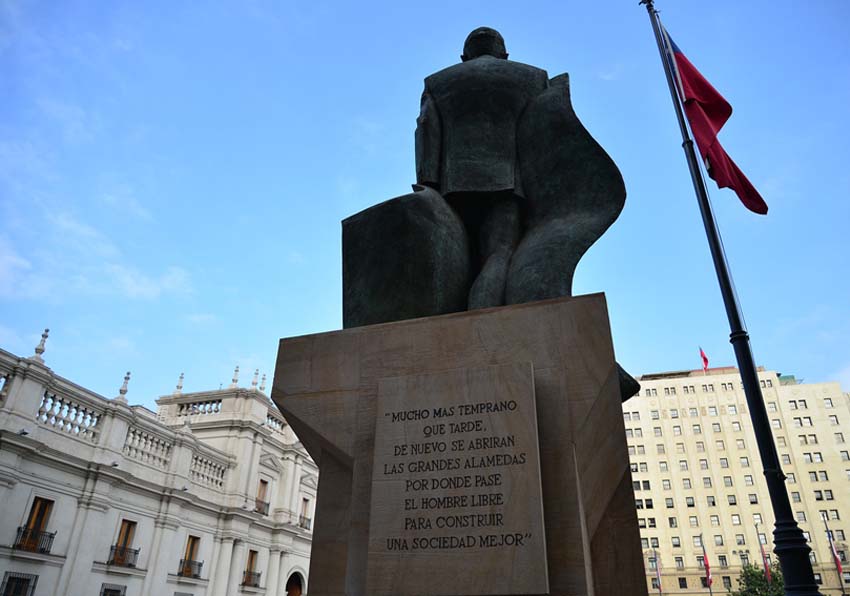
(466, 148)
(511, 192)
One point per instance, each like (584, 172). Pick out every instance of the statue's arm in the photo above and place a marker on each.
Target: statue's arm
(428, 143)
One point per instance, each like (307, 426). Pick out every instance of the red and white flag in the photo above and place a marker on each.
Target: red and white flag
(764, 560)
(835, 553)
(704, 360)
(707, 111)
(708, 578)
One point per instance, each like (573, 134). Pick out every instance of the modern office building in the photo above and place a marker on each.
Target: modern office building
(698, 478)
(212, 495)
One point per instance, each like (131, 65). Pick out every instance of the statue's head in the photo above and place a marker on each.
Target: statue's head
(484, 41)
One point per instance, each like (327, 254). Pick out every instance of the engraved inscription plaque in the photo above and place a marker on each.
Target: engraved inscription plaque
(456, 498)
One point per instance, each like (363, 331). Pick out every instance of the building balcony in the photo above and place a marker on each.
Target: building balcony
(123, 556)
(251, 579)
(261, 506)
(34, 541)
(305, 522)
(190, 568)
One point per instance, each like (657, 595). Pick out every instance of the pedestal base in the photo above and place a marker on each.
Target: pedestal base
(555, 355)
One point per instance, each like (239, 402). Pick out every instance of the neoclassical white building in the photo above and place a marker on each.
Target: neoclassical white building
(213, 495)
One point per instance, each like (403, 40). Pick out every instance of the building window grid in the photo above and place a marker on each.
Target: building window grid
(809, 458)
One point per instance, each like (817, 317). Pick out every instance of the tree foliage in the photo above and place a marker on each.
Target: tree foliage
(752, 582)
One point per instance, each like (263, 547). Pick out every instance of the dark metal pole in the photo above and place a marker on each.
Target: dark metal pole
(789, 543)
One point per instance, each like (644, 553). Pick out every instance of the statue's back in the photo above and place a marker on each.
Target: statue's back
(479, 103)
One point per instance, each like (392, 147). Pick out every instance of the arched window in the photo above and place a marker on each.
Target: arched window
(294, 585)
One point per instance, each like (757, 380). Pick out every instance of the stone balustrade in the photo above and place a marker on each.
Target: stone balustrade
(208, 470)
(148, 447)
(212, 406)
(106, 427)
(74, 416)
(275, 422)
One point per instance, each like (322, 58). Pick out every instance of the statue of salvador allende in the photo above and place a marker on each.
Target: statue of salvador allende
(510, 192)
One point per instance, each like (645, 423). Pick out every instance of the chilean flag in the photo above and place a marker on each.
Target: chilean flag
(835, 554)
(708, 578)
(764, 561)
(707, 112)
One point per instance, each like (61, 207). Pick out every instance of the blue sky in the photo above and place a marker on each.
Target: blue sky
(173, 175)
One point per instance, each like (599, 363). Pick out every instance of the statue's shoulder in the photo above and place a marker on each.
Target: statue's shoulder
(445, 74)
(473, 68)
(528, 69)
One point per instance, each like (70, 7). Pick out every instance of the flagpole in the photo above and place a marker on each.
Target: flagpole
(832, 552)
(790, 543)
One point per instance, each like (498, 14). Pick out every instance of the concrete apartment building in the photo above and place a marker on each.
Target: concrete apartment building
(697, 475)
(213, 495)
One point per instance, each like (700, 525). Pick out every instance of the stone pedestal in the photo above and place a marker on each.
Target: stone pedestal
(475, 453)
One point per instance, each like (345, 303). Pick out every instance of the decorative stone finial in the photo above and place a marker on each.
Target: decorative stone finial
(263, 384)
(235, 380)
(122, 393)
(39, 349)
(179, 389)
(254, 380)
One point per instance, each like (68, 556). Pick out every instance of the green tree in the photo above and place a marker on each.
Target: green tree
(752, 582)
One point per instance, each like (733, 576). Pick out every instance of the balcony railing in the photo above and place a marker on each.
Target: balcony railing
(190, 568)
(261, 506)
(123, 556)
(305, 522)
(252, 579)
(34, 541)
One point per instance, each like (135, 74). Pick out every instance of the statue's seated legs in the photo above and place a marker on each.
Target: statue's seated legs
(493, 226)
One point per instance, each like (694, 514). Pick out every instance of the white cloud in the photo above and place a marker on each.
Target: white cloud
(123, 200)
(123, 44)
(12, 266)
(367, 134)
(20, 158)
(82, 237)
(121, 344)
(611, 74)
(843, 377)
(347, 186)
(75, 124)
(201, 318)
(295, 257)
(70, 257)
(134, 284)
(11, 340)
